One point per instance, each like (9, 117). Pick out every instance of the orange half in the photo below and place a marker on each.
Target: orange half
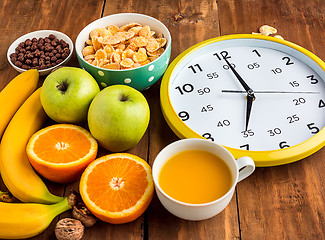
(61, 152)
(117, 188)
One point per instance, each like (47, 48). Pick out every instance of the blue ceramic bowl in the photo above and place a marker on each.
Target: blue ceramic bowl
(140, 78)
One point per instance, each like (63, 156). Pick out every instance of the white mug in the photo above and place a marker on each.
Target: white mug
(240, 169)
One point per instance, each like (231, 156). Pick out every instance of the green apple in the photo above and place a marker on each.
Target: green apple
(118, 117)
(67, 93)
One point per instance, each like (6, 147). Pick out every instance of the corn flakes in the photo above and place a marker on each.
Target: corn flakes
(129, 46)
(108, 48)
(279, 36)
(139, 41)
(156, 53)
(126, 27)
(115, 58)
(152, 45)
(100, 54)
(113, 29)
(135, 65)
(102, 62)
(145, 62)
(142, 50)
(136, 30)
(162, 42)
(121, 46)
(267, 30)
(96, 44)
(89, 42)
(127, 54)
(127, 63)
(139, 57)
(95, 62)
(88, 51)
(132, 46)
(89, 57)
(114, 66)
(112, 40)
(145, 31)
(100, 32)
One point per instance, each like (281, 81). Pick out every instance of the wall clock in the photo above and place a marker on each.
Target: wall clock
(257, 96)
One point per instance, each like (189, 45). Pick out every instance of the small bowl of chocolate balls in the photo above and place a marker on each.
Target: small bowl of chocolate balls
(43, 50)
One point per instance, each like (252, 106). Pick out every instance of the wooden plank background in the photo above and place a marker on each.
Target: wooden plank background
(283, 202)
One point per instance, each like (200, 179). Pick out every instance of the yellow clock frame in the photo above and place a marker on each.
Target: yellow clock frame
(261, 158)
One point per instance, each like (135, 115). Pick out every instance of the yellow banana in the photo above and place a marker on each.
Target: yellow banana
(14, 94)
(24, 220)
(16, 171)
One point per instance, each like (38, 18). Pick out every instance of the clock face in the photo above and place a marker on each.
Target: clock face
(209, 101)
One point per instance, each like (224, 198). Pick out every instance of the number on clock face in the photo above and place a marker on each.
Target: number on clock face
(290, 97)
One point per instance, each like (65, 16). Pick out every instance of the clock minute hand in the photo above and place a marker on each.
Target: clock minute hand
(240, 79)
(270, 91)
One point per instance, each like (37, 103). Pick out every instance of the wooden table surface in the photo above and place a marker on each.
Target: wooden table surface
(283, 202)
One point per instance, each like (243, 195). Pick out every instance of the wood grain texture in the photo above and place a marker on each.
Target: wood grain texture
(283, 202)
(189, 22)
(21, 17)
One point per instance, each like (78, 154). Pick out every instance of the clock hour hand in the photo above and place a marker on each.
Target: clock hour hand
(249, 104)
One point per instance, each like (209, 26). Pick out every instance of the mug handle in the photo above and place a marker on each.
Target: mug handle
(246, 167)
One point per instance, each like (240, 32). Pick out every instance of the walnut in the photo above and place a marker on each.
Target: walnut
(74, 197)
(81, 212)
(69, 229)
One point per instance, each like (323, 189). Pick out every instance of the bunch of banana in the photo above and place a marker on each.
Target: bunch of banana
(16, 171)
(24, 220)
(22, 109)
(14, 94)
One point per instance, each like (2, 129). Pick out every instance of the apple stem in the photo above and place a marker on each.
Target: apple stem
(123, 98)
(62, 87)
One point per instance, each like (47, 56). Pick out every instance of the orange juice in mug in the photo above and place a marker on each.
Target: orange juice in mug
(195, 176)
(195, 179)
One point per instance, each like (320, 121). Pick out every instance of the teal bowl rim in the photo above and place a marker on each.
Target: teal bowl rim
(148, 75)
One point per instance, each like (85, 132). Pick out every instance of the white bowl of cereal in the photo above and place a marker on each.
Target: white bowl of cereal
(43, 50)
(126, 48)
